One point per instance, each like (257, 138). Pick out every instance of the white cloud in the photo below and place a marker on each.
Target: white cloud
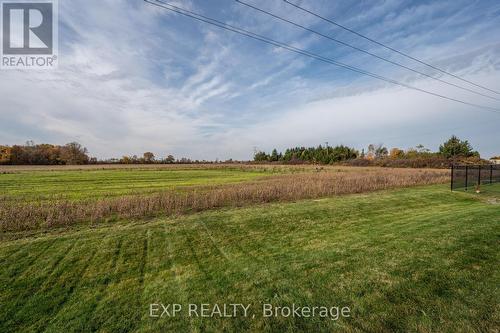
(134, 78)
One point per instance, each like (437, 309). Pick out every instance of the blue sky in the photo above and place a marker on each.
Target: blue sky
(134, 78)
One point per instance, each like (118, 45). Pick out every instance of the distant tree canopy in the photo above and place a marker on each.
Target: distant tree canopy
(261, 156)
(320, 154)
(455, 147)
(43, 154)
(74, 153)
(411, 153)
(149, 157)
(170, 159)
(375, 154)
(450, 151)
(377, 151)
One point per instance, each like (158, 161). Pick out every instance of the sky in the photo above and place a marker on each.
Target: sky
(133, 78)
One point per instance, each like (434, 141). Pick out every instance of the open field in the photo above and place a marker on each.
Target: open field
(87, 167)
(196, 166)
(78, 182)
(419, 259)
(94, 183)
(45, 199)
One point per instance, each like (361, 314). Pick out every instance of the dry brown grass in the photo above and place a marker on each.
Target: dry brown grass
(285, 187)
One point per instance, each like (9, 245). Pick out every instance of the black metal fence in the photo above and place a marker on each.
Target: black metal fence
(470, 176)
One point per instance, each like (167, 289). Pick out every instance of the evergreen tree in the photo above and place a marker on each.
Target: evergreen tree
(455, 147)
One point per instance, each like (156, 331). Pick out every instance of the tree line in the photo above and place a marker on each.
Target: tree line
(452, 148)
(44, 154)
(75, 153)
(150, 158)
(321, 154)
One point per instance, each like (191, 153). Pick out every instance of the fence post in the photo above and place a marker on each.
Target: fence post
(452, 177)
(466, 176)
(491, 174)
(479, 175)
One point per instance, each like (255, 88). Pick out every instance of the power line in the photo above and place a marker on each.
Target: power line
(288, 47)
(388, 47)
(364, 51)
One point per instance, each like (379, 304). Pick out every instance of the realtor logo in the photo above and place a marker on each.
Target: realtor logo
(29, 34)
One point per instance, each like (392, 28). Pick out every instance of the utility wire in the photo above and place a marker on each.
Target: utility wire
(364, 51)
(288, 47)
(388, 47)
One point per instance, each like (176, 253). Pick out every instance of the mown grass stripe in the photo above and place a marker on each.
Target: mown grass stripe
(420, 259)
(70, 291)
(122, 295)
(76, 315)
(24, 259)
(40, 295)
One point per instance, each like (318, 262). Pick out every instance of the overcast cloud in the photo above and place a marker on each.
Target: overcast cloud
(135, 78)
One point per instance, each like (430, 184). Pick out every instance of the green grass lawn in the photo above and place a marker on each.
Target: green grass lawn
(489, 189)
(488, 192)
(420, 259)
(93, 184)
